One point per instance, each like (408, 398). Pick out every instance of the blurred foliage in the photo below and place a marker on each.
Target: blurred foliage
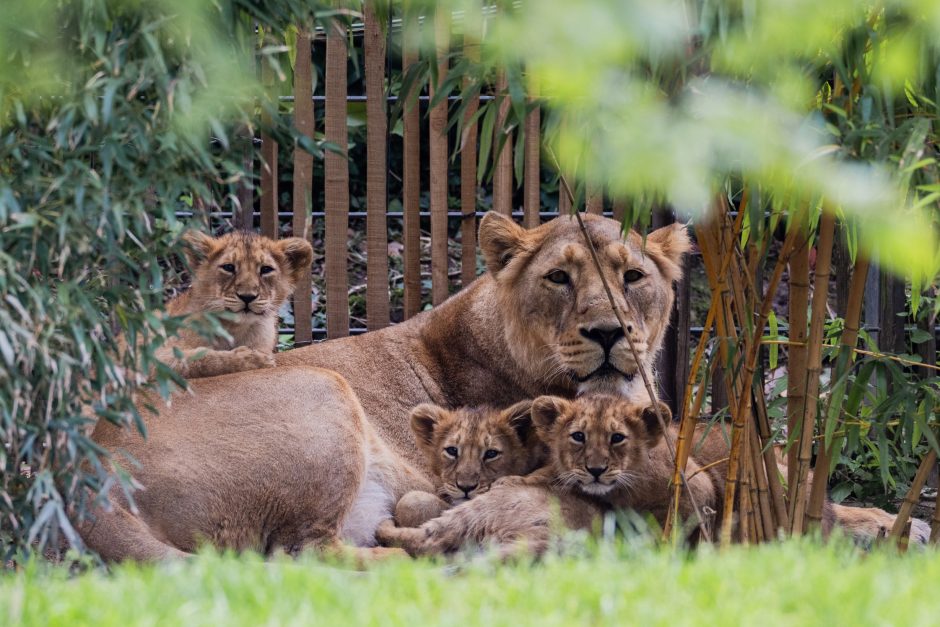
(114, 115)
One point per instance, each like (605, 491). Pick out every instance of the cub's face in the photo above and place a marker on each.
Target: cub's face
(245, 273)
(559, 322)
(470, 448)
(597, 443)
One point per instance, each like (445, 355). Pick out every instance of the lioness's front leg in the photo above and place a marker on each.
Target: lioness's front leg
(207, 362)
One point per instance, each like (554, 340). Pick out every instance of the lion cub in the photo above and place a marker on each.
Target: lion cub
(614, 450)
(467, 449)
(513, 518)
(243, 273)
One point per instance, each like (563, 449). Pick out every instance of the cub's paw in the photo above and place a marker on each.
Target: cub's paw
(251, 359)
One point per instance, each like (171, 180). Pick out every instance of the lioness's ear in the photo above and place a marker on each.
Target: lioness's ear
(667, 246)
(654, 428)
(519, 417)
(424, 420)
(500, 240)
(198, 247)
(299, 254)
(546, 410)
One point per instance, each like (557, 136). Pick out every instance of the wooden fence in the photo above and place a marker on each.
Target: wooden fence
(521, 199)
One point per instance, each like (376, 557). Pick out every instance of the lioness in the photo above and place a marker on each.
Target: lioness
(289, 463)
(537, 322)
(242, 273)
(468, 449)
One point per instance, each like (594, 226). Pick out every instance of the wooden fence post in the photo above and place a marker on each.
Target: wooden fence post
(411, 176)
(337, 183)
(472, 31)
(377, 298)
(437, 145)
(303, 182)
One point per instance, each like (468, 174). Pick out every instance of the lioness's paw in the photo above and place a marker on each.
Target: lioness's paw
(251, 359)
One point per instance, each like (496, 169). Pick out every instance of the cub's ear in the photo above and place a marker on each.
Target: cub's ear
(519, 417)
(198, 247)
(667, 245)
(299, 254)
(425, 418)
(654, 429)
(546, 410)
(500, 240)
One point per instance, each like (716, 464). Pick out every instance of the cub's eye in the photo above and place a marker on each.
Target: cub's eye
(266, 270)
(559, 277)
(451, 450)
(617, 438)
(632, 276)
(228, 267)
(491, 454)
(578, 436)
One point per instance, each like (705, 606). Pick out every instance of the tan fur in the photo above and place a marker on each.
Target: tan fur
(510, 336)
(467, 450)
(513, 334)
(613, 450)
(225, 269)
(310, 473)
(513, 519)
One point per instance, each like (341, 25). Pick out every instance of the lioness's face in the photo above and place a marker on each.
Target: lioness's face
(245, 273)
(560, 325)
(597, 443)
(470, 448)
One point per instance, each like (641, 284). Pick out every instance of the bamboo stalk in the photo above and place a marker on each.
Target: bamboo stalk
(769, 526)
(843, 363)
(796, 353)
(814, 367)
(913, 496)
(752, 350)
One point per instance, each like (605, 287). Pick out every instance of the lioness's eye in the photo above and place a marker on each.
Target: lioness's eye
(617, 438)
(451, 450)
(632, 276)
(559, 277)
(491, 454)
(228, 267)
(578, 436)
(266, 270)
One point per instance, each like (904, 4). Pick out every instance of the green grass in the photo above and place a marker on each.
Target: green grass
(794, 583)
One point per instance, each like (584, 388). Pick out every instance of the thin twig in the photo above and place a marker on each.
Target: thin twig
(636, 356)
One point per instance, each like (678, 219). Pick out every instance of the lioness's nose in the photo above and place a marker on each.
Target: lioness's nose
(595, 471)
(467, 489)
(247, 298)
(605, 336)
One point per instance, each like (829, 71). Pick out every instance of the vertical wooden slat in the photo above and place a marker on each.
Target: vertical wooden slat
(532, 169)
(502, 158)
(619, 209)
(411, 175)
(337, 184)
(594, 203)
(437, 145)
(564, 203)
(468, 155)
(303, 182)
(269, 222)
(377, 298)
(243, 212)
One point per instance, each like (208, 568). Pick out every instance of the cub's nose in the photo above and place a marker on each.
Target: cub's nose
(596, 472)
(247, 298)
(467, 489)
(605, 336)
